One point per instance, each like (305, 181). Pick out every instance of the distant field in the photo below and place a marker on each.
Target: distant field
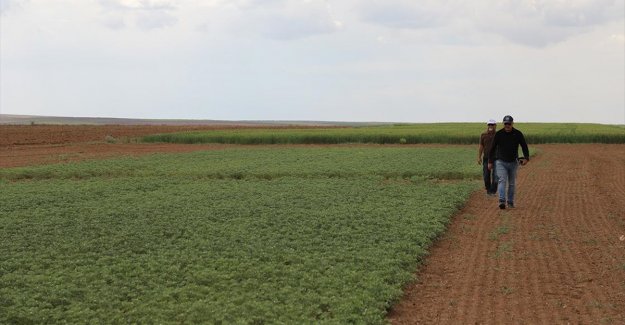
(451, 133)
(253, 236)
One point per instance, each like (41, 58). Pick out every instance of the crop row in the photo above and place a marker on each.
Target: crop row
(448, 133)
(271, 163)
(331, 237)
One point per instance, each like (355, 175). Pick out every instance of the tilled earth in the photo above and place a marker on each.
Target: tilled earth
(26, 145)
(16, 135)
(557, 258)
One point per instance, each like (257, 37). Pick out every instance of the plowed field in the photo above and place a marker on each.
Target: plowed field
(557, 258)
(13, 135)
(25, 145)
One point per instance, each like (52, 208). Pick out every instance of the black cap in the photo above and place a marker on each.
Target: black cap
(508, 119)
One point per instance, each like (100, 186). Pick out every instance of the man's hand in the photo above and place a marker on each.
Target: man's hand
(523, 162)
(490, 166)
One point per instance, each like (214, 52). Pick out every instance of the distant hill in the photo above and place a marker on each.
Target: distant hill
(34, 119)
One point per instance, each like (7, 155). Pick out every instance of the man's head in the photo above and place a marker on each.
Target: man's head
(508, 122)
(492, 125)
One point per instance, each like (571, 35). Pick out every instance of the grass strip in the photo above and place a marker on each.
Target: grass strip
(444, 133)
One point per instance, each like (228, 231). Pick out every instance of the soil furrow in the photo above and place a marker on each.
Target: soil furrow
(559, 260)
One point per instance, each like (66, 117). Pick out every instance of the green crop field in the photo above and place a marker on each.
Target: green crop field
(249, 236)
(451, 133)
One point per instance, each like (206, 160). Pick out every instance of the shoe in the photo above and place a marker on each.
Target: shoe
(510, 205)
(502, 205)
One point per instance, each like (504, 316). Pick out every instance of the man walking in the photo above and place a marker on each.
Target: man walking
(486, 141)
(505, 153)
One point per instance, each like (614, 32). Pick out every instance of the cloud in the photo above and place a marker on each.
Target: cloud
(6, 5)
(618, 37)
(114, 22)
(154, 20)
(533, 23)
(146, 14)
(542, 23)
(580, 13)
(404, 14)
(139, 4)
(280, 20)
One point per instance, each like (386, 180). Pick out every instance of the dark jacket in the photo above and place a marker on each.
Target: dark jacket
(506, 146)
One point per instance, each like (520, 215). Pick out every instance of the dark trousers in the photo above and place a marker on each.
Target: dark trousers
(490, 177)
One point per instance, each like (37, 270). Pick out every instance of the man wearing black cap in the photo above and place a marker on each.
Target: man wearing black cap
(505, 148)
(486, 140)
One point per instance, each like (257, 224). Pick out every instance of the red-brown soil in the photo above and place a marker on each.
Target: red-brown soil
(557, 258)
(11, 135)
(49, 154)
(26, 145)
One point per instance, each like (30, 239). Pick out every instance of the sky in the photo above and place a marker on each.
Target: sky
(348, 60)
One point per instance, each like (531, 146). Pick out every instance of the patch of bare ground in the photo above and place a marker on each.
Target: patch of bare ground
(19, 156)
(557, 258)
(12, 135)
(28, 145)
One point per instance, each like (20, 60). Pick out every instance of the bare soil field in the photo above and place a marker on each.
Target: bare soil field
(27, 145)
(557, 258)
(13, 135)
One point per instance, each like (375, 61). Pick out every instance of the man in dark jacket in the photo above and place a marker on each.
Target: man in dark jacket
(486, 140)
(505, 148)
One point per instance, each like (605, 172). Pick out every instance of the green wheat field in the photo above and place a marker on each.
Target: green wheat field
(450, 133)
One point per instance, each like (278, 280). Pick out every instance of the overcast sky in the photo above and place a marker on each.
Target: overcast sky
(348, 60)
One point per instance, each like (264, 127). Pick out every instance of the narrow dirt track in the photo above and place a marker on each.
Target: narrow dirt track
(18, 156)
(557, 258)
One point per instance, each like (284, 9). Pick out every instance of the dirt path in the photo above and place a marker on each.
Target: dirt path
(557, 258)
(18, 156)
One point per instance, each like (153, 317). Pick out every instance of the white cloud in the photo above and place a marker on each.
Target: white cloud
(578, 13)
(139, 4)
(281, 20)
(618, 37)
(6, 5)
(146, 14)
(534, 23)
(404, 13)
(541, 23)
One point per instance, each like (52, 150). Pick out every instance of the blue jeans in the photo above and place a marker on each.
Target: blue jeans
(507, 173)
(490, 177)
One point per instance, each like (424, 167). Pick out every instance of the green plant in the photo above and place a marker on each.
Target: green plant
(449, 133)
(507, 290)
(503, 249)
(281, 235)
(497, 232)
